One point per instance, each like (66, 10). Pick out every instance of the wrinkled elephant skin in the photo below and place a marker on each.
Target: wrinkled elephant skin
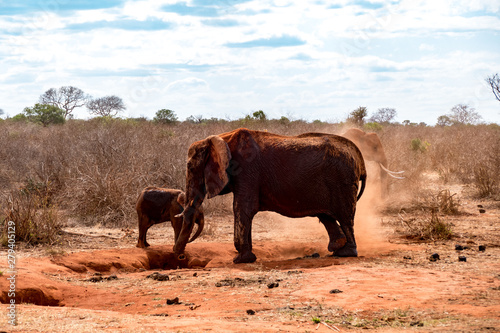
(312, 174)
(157, 205)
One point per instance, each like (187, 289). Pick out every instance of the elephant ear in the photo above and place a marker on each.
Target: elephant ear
(219, 155)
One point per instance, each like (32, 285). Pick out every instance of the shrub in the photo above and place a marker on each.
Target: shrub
(357, 117)
(372, 127)
(35, 217)
(486, 181)
(94, 169)
(418, 145)
(45, 114)
(165, 116)
(426, 228)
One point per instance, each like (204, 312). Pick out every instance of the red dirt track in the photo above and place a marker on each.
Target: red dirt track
(375, 287)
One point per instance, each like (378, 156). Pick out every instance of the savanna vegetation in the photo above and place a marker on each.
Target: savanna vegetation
(89, 172)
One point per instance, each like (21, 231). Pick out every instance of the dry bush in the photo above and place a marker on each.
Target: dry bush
(425, 228)
(459, 154)
(446, 203)
(402, 153)
(35, 216)
(97, 168)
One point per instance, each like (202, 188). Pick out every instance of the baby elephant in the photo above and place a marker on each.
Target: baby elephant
(157, 205)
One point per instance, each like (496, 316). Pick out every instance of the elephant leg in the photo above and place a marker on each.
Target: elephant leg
(243, 216)
(144, 224)
(350, 248)
(337, 237)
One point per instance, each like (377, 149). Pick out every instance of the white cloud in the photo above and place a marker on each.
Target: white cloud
(412, 55)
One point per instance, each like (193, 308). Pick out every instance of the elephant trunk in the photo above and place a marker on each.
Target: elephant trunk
(190, 215)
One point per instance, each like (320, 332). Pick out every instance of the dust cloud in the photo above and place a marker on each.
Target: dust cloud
(370, 235)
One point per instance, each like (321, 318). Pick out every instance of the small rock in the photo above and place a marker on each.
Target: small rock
(417, 323)
(407, 257)
(158, 276)
(225, 283)
(112, 277)
(482, 211)
(294, 272)
(479, 206)
(273, 285)
(434, 257)
(482, 248)
(173, 301)
(96, 279)
(315, 255)
(462, 258)
(250, 312)
(459, 247)
(336, 291)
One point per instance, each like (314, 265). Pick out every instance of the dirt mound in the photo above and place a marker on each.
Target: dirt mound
(290, 283)
(38, 285)
(200, 255)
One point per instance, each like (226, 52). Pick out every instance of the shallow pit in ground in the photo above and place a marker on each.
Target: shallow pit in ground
(53, 280)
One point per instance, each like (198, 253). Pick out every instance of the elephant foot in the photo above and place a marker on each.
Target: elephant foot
(243, 258)
(142, 244)
(336, 244)
(346, 251)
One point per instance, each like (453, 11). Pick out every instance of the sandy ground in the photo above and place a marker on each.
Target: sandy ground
(100, 282)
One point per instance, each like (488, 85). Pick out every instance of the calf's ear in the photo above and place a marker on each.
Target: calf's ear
(181, 199)
(218, 158)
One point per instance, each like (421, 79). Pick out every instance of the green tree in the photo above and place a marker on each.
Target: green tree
(44, 114)
(357, 116)
(19, 117)
(165, 116)
(259, 115)
(444, 121)
(284, 120)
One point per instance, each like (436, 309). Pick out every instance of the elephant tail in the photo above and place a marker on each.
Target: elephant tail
(362, 179)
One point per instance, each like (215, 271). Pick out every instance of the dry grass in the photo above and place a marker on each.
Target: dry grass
(425, 228)
(95, 169)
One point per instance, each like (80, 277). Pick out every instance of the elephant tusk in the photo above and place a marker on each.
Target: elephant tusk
(180, 215)
(199, 229)
(389, 171)
(396, 177)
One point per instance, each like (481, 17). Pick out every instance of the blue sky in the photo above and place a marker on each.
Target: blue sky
(227, 58)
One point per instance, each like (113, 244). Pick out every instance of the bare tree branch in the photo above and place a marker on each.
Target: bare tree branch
(66, 98)
(494, 82)
(108, 106)
(384, 115)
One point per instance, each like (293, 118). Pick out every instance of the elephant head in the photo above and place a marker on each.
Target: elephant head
(206, 175)
(372, 150)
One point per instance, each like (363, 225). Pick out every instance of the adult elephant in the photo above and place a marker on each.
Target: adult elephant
(311, 174)
(372, 150)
